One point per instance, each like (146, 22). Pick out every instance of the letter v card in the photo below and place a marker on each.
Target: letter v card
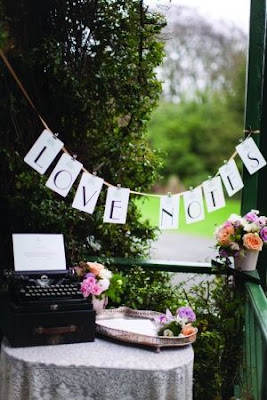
(43, 152)
(87, 193)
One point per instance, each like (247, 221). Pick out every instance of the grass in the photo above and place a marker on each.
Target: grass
(149, 207)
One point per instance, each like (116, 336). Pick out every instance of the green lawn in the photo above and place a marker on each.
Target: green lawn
(149, 207)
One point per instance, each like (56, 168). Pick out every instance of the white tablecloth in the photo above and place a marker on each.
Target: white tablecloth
(100, 370)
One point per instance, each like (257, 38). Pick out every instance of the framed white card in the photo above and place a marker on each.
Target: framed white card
(43, 152)
(38, 252)
(64, 175)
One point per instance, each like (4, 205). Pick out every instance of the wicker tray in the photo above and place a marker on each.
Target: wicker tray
(136, 326)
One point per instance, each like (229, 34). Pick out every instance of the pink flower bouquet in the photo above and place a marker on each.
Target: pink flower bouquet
(239, 234)
(98, 281)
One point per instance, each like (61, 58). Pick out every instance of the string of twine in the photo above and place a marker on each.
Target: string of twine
(17, 80)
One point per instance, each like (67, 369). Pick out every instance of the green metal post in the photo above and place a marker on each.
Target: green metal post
(253, 113)
(253, 194)
(262, 190)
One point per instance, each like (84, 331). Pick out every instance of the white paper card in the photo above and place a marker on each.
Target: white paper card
(38, 252)
(213, 191)
(231, 177)
(43, 152)
(251, 155)
(64, 175)
(116, 205)
(193, 204)
(87, 193)
(169, 212)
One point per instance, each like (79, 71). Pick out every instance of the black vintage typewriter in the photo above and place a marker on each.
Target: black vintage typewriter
(46, 292)
(44, 306)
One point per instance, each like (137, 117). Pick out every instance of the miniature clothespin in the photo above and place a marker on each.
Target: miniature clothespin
(55, 135)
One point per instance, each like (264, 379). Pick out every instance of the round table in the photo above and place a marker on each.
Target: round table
(99, 370)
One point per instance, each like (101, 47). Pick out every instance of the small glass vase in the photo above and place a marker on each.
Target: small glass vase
(248, 262)
(99, 304)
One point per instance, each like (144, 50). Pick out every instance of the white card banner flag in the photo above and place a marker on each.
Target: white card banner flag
(193, 205)
(87, 193)
(251, 155)
(213, 191)
(169, 212)
(231, 177)
(116, 205)
(64, 175)
(43, 152)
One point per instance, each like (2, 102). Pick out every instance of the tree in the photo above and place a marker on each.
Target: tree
(89, 69)
(200, 56)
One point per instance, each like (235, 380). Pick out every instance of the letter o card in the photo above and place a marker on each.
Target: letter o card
(116, 205)
(193, 205)
(251, 155)
(43, 152)
(64, 175)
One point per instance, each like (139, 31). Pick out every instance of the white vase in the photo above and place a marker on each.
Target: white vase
(248, 262)
(99, 304)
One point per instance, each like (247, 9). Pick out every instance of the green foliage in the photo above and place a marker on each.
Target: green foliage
(218, 349)
(201, 55)
(89, 69)
(150, 291)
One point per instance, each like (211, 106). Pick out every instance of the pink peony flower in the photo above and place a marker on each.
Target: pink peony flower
(96, 290)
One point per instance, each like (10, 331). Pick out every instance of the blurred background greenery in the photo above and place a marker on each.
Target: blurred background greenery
(199, 120)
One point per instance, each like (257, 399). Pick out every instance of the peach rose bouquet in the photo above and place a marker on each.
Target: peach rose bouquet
(238, 234)
(98, 281)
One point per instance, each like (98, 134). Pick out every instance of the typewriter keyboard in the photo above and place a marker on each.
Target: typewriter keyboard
(51, 292)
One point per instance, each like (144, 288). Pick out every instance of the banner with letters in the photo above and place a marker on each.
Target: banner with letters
(67, 169)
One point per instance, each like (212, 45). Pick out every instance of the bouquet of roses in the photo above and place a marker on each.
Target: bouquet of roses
(238, 234)
(179, 324)
(98, 281)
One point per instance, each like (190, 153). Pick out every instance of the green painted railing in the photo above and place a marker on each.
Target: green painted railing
(255, 355)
